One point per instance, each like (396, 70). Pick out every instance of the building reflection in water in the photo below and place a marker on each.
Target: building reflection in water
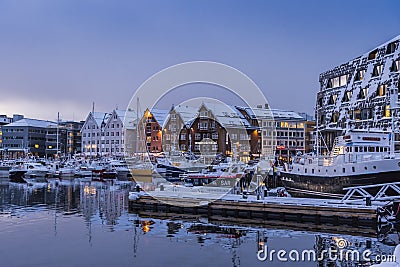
(94, 200)
(106, 203)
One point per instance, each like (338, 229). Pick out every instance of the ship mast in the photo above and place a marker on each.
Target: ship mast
(317, 134)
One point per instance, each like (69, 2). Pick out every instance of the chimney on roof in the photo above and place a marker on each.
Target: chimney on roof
(259, 106)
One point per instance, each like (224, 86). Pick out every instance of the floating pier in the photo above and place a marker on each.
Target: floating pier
(284, 209)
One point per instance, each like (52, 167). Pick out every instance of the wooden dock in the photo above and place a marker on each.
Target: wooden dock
(298, 210)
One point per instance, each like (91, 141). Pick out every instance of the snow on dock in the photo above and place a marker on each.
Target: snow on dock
(213, 202)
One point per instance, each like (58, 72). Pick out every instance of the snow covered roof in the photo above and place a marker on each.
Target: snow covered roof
(227, 115)
(99, 117)
(187, 113)
(278, 114)
(128, 117)
(31, 123)
(285, 115)
(160, 115)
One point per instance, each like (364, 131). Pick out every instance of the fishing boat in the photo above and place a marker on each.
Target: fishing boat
(358, 158)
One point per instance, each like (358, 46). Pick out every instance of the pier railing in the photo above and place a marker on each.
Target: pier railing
(357, 192)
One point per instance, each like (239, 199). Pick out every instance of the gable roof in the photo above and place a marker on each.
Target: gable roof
(100, 117)
(160, 115)
(227, 115)
(128, 117)
(187, 113)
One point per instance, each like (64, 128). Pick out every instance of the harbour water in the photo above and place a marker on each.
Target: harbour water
(81, 223)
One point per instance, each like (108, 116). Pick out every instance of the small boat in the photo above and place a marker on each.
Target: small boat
(24, 172)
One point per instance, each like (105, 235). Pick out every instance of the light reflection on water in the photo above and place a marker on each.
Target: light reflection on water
(80, 223)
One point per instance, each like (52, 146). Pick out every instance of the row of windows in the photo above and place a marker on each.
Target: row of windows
(103, 150)
(104, 141)
(360, 74)
(362, 94)
(102, 134)
(289, 134)
(353, 169)
(13, 130)
(289, 143)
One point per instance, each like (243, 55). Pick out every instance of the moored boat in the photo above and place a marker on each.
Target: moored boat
(357, 158)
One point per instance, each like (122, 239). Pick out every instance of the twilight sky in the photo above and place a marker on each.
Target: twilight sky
(63, 55)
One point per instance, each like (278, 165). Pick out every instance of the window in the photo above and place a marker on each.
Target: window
(197, 136)
(346, 96)
(395, 66)
(391, 47)
(112, 133)
(332, 100)
(173, 117)
(372, 54)
(203, 126)
(183, 136)
(386, 111)
(204, 114)
(167, 137)
(107, 134)
(335, 117)
(377, 70)
(381, 90)
(183, 147)
(337, 81)
(233, 136)
(363, 93)
(357, 114)
(359, 75)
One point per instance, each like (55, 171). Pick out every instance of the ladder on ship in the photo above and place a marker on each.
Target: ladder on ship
(335, 150)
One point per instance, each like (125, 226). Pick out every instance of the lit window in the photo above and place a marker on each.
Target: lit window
(381, 90)
(387, 111)
(377, 70)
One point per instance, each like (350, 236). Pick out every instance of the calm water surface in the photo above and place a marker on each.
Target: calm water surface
(77, 223)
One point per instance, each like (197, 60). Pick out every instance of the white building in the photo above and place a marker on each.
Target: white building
(92, 132)
(112, 143)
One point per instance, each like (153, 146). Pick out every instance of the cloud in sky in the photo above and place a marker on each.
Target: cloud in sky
(63, 55)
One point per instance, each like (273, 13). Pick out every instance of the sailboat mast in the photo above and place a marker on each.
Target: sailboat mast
(137, 125)
(58, 122)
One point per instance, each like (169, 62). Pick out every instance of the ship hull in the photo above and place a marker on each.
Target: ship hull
(322, 186)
